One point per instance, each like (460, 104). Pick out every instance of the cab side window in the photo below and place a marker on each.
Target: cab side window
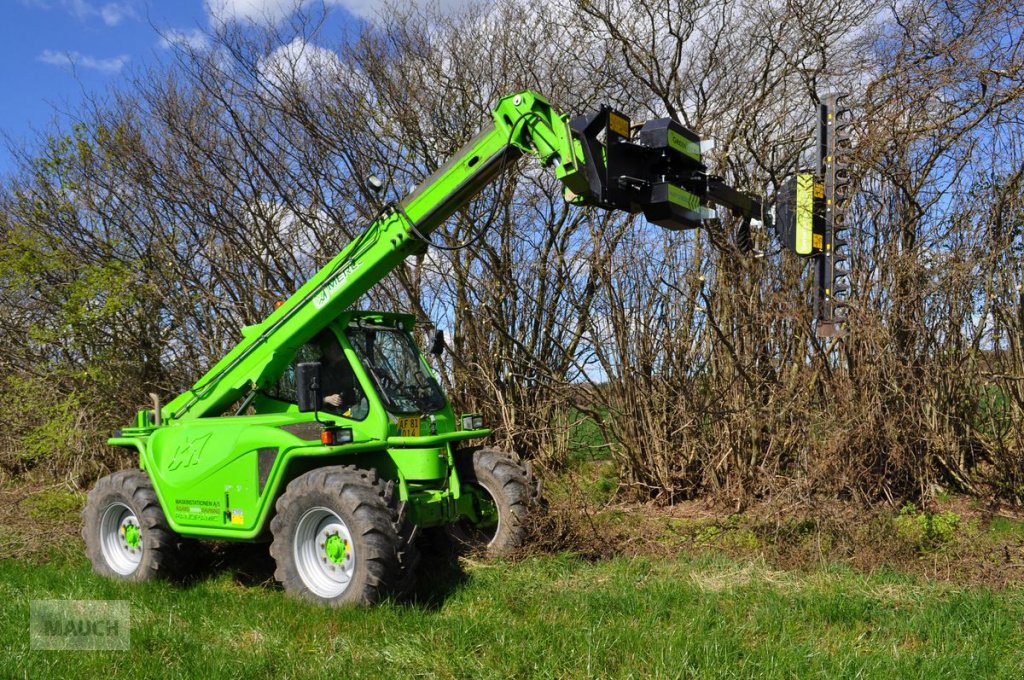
(339, 382)
(285, 388)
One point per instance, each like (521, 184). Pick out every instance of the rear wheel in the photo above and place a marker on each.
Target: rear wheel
(126, 533)
(340, 539)
(504, 497)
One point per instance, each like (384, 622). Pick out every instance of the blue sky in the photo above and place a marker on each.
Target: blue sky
(52, 52)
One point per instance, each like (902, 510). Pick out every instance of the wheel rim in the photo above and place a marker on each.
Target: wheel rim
(324, 553)
(483, 533)
(121, 539)
(491, 537)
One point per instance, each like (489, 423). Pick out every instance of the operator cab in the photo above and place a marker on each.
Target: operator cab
(393, 363)
(360, 353)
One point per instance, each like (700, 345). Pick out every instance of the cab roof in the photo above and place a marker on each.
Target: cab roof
(405, 321)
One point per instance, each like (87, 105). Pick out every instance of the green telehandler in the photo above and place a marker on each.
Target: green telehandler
(324, 429)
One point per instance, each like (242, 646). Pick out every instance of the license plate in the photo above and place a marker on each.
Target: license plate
(409, 426)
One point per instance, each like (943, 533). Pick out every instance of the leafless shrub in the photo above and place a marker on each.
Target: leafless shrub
(137, 243)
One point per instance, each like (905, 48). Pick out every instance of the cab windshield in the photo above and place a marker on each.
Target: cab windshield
(393, 363)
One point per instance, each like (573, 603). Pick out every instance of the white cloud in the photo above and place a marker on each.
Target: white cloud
(298, 63)
(367, 9)
(275, 11)
(190, 39)
(79, 60)
(255, 11)
(371, 9)
(111, 13)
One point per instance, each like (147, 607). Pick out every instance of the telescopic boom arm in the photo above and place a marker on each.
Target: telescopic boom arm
(600, 159)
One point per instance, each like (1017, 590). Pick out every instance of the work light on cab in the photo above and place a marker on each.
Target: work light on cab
(333, 436)
(473, 421)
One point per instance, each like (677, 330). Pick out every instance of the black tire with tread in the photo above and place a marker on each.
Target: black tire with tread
(162, 547)
(514, 490)
(382, 535)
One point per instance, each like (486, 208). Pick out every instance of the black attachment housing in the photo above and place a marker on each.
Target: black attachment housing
(832, 273)
(656, 170)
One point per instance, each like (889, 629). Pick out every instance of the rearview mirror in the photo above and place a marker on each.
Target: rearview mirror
(437, 348)
(308, 393)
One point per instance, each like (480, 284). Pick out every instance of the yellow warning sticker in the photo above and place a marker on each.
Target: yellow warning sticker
(618, 124)
(804, 212)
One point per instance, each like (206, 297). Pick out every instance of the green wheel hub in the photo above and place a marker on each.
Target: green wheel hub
(132, 536)
(336, 548)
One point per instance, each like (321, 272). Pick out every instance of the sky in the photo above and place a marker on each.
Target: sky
(55, 52)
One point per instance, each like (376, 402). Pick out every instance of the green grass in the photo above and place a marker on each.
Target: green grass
(1007, 528)
(543, 617)
(586, 440)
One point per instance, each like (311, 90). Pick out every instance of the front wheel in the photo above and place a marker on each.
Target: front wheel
(339, 538)
(504, 497)
(126, 534)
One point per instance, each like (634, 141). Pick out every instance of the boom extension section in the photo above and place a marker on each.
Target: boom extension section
(601, 159)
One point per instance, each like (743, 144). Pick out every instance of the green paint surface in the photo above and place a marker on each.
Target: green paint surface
(132, 536)
(335, 547)
(684, 198)
(684, 145)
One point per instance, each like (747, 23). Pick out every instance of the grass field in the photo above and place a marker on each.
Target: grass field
(556, 616)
